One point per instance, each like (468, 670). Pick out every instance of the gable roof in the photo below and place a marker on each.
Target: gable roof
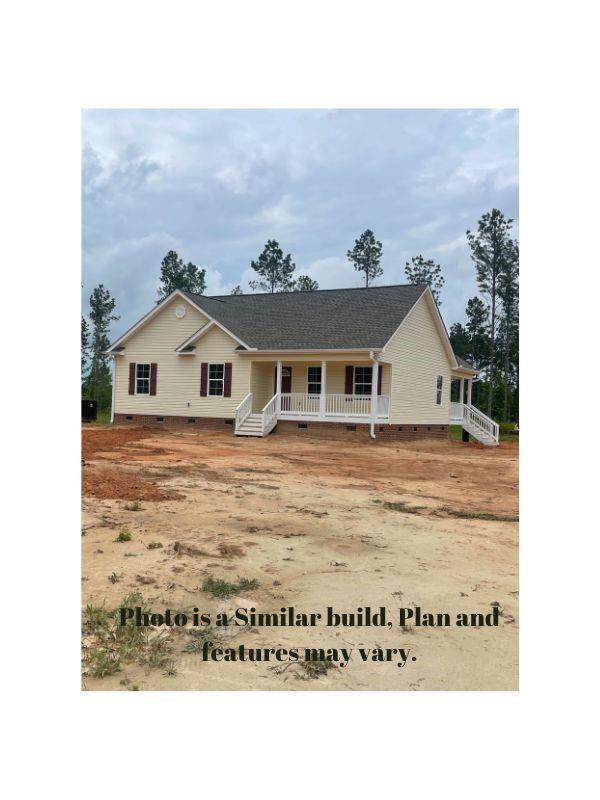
(328, 319)
(464, 364)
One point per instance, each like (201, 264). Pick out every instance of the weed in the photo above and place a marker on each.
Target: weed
(154, 545)
(125, 535)
(131, 555)
(135, 506)
(103, 660)
(95, 617)
(114, 578)
(220, 588)
(314, 669)
(134, 688)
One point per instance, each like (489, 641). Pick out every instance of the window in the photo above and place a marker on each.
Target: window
(363, 380)
(142, 379)
(216, 374)
(439, 387)
(314, 380)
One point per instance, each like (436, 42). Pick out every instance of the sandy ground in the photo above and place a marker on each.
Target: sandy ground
(307, 519)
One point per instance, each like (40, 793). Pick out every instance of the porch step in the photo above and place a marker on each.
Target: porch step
(251, 426)
(482, 436)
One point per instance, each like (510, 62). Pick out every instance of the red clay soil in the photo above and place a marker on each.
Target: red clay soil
(116, 484)
(102, 439)
(113, 483)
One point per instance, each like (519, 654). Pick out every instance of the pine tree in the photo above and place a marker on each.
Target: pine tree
(478, 315)
(508, 291)
(419, 271)
(488, 252)
(366, 255)
(236, 290)
(275, 269)
(305, 284)
(85, 347)
(98, 384)
(174, 274)
(460, 341)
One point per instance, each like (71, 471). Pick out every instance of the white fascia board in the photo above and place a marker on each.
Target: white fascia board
(438, 322)
(195, 336)
(257, 352)
(147, 317)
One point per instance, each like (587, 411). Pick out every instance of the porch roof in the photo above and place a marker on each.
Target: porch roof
(330, 319)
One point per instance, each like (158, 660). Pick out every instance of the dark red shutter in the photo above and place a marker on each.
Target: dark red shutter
(349, 379)
(379, 374)
(227, 381)
(203, 378)
(131, 378)
(153, 371)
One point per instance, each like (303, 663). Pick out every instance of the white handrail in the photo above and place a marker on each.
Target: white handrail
(269, 414)
(473, 416)
(243, 410)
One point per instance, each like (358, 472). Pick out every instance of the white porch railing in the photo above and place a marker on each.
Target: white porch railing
(336, 406)
(456, 413)
(243, 410)
(297, 403)
(474, 418)
(269, 415)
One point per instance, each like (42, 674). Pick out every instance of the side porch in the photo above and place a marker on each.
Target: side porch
(342, 390)
(462, 412)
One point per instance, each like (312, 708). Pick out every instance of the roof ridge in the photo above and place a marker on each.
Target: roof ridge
(342, 289)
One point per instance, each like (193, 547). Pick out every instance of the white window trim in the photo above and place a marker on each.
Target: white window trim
(221, 380)
(363, 383)
(439, 390)
(319, 382)
(137, 366)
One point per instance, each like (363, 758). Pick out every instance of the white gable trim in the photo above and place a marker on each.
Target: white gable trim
(438, 322)
(147, 317)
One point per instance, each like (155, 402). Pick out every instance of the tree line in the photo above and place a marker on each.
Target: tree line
(488, 340)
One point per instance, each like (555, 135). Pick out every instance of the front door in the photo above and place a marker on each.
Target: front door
(286, 380)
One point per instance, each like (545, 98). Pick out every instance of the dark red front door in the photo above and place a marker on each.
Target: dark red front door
(286, 380)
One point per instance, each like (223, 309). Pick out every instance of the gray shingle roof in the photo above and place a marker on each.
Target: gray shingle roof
(465, 364)
(325, 319)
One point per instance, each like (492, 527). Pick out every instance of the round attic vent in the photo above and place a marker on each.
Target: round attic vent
(180, 312)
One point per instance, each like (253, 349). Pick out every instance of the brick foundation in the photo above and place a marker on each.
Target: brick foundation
(164, 421)
(329, 430)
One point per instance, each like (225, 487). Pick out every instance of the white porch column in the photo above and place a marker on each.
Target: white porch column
(279, 371)
(462, 391)
(469, 390)
(323, 395)
(374, 384)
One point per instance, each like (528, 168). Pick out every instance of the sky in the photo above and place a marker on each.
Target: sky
(215, 185)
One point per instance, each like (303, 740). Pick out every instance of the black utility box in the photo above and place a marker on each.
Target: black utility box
(89, 410)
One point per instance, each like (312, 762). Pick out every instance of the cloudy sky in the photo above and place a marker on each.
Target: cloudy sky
(215, 185)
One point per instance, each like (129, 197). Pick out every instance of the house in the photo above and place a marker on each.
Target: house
(373, 362)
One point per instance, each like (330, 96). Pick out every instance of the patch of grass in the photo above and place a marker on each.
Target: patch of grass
(125, 535)
(131, 555)
(135, 506)
(199, 636)
(506, 432)
(114, 578)
(95, 617)
(484, 515)
(134, 688)
(155, 545)
(220, 588)
(103, 660)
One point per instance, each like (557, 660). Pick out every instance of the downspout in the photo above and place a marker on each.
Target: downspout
(374, 359)
(114, 381)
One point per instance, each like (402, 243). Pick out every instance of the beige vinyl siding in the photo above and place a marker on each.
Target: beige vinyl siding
(417, 356)
(178, 382)
(263, 378)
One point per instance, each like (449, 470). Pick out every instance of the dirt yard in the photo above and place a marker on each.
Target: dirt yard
(309, 523)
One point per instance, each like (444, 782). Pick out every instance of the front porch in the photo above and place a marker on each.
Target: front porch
(326, 391)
